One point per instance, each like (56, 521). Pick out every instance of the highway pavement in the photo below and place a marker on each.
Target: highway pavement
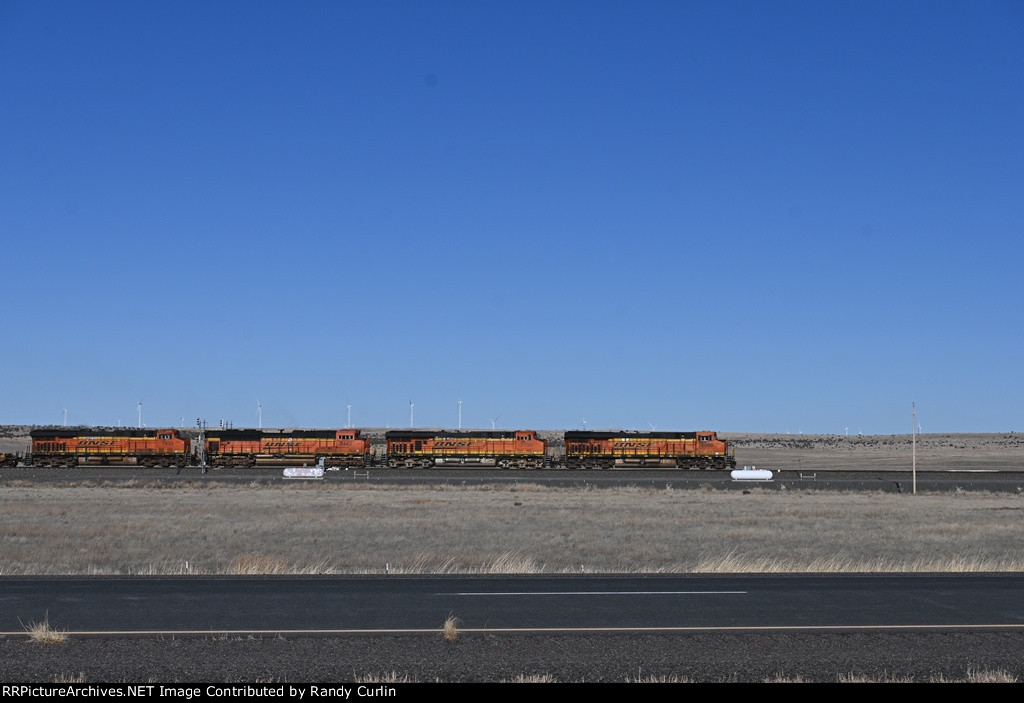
(326, 605)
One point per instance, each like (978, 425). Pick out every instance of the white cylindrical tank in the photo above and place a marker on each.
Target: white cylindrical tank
(752, 473)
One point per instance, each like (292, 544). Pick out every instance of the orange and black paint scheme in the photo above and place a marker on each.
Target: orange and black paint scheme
(99, 446)
(616, 448)
(247, 448)
(348, 447)
(518, 449)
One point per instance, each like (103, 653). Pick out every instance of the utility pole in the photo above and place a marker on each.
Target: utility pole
(913, 445)
(201, 449)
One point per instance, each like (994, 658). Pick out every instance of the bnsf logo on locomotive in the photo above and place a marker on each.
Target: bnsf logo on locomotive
(451, 443)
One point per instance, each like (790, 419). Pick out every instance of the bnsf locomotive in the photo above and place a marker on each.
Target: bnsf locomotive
(684, 450)
(508, 449)
(246, 448)
(142, 447)
(520, 449)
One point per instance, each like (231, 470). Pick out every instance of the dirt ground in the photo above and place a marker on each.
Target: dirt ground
(935, 452)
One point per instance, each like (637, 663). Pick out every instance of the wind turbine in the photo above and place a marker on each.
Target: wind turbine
(584, 423)
(494, 421)
(412, 407)
(460, 413)
(652, 425)
(140, 414)
(348, 413)
(259, 414)
(65, 417)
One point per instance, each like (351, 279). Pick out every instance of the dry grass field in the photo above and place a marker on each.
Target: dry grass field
(204, 528)
(936, 452)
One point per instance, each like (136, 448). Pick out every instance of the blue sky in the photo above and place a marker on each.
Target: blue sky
(743, 216)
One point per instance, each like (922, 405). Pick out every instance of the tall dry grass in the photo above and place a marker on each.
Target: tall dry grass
(44, 633)
(450, 629)
(526, 528)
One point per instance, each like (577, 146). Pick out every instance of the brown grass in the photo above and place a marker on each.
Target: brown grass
(450, 629)
(531, 678)
(972, 676)
(355, 529)
(43, 633)
(660, 679)
(988, 676)
(390, 677)
(992, 451)
(258, 564)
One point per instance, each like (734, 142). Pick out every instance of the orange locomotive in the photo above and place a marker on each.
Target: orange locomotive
(520, 449)
(685, 450)
(88, 445)
(230, 447)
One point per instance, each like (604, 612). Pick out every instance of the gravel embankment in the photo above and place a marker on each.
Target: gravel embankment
(475, 657)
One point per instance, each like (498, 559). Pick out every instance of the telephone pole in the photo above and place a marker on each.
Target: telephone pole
(913, 445)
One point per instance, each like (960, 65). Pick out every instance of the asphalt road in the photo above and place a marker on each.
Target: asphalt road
(732, 629)
(405, 604)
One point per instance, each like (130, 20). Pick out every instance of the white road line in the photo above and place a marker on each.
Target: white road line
(596, 593)
(434, 630)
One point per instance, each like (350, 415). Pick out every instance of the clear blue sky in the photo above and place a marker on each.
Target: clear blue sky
(743, 216)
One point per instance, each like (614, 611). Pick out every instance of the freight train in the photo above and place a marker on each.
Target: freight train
(350, 448)
(96, 446)
(249, 448)
(683, 450)
(519, 449)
